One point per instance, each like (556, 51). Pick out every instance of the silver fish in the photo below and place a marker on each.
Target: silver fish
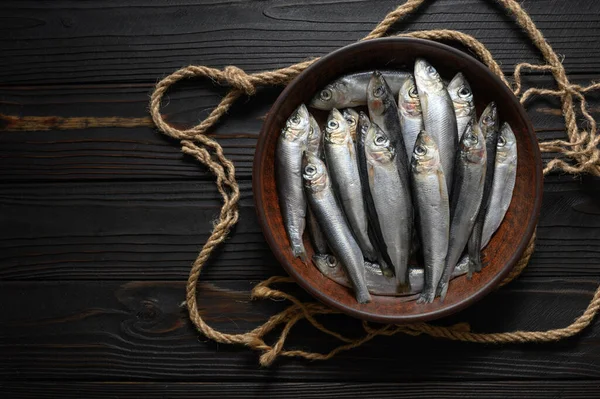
(351, 90)
(489, 127)
(438, 114)
(315, 147)
(341, 241)
(290, 146)
(351, 117)
(391, 198)
(340, 154)
(377, 282)
(383, 112)
(465, 200)
(409, 110)
(433, 220)
(505, 176)
(364, 124)
(462, 99)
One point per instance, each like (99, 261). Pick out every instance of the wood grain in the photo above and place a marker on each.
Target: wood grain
(137, 42)
(135, 330)
(564, 389)
(92, 153)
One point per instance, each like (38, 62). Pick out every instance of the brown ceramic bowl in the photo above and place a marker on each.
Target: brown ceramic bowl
(506, 246)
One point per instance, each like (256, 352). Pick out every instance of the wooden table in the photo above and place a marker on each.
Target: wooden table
(101, 215)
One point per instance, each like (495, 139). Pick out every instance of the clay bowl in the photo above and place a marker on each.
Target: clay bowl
(506, 246)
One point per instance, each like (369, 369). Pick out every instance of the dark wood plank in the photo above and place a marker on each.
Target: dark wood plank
(564, 389)
(146, 231)
(53, 132)
(131, 331)
(135, 41)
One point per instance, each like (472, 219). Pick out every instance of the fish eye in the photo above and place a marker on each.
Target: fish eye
(378, 92)
(420, 150)
(332, 124)
(464, 92)
(295, 119)
(325, 95)
(350, 121)
(412, 92)
(488, 120)
(310, 170)
(379, 140)
(501, 141)
(430, 70)
(331, 261)
(472, 138)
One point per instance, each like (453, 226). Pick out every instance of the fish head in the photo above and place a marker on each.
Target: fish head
(408, 98)
(427, 77)
(297, 126)
(472, 143)
(314, 173)
(461, 95)
(351, 117)
(364, 123)
(331, 96)
(488, 122)
(378, 147)
(506, 143)
(425, 155)
(326, 263)
(314, 143)
(337, 130)
(379, 94)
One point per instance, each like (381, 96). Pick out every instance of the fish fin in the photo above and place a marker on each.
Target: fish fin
(300, 252)
(443, 290)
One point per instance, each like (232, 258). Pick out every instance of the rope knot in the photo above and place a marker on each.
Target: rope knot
(239, 79)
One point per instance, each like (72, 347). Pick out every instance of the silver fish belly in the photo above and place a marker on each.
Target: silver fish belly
(351, 90)
(438, 114)
(290, 146)
(431, 197)
(391, 198)
(462, 100)
(337, 231)
(465, 199)
(340, 154)
(409, 111)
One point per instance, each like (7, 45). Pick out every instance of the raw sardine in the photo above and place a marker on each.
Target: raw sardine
(351, 90)
(489, 127)
(337, 231)
(438, 114)
(340, 154)
(290, 145)
(433, 216)
(465, 200)
(315, 147)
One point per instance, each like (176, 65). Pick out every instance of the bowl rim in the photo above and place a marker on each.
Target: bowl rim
(257, 188)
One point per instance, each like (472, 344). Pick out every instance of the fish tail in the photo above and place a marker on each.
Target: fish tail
(363, 296)
(443, 290)
(427, 296)
(299, 252)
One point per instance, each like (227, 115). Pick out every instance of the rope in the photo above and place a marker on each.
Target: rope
(579, 154)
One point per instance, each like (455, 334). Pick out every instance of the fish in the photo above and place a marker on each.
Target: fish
(465, 198)
(351, 117)
(377, 282)
(488, 124)
(384, 261)
(409, 111)
(438, 114)
(315, 146)
(351, 90)
(340, 156)
(341, 241)
(462, 100)
(505, 176)
(391, 199)
(433, 218)
(288, 173)
(383, 112)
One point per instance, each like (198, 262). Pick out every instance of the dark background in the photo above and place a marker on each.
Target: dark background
(101, 215)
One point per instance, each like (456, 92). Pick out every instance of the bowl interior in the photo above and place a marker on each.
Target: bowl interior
(507, 244)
